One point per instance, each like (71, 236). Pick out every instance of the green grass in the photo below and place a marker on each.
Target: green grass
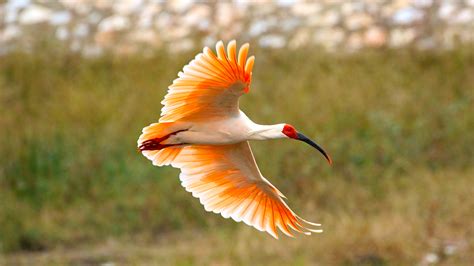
(398, 125)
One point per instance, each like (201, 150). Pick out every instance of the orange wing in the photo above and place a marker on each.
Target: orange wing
(226, 180)
(209, 85)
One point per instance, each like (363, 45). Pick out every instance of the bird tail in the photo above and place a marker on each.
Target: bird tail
(150, 143)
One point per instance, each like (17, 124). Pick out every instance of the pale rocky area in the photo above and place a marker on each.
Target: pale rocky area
(130, 26)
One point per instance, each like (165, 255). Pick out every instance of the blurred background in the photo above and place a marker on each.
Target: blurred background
(387, 87)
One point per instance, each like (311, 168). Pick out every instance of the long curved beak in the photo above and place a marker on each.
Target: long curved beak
(316, 146)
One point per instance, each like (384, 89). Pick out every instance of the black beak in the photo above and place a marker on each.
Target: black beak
(316, 146)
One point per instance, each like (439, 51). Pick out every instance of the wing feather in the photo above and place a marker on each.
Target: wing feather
(243, 56)
(208, 81)
(226, 180)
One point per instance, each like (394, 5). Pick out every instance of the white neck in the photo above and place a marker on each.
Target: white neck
(263, 132)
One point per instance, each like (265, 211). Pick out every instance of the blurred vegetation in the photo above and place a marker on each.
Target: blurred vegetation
(398, 125)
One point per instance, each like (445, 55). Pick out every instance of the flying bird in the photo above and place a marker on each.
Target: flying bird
(203, 132)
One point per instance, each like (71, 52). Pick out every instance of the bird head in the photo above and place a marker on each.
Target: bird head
(290, 132)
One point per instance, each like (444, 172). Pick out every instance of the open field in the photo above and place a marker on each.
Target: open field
(398, 124)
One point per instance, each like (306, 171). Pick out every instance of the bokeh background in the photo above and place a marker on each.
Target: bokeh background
(387, 87)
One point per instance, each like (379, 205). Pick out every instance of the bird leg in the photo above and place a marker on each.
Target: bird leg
(155, 143)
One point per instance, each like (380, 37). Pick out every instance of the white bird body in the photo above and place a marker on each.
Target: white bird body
(228, 130)
(203, 132)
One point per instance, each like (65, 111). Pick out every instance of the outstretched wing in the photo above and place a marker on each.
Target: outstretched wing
(226, 180)
(209, 85)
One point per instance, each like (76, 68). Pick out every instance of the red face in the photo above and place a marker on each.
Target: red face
(290, 131)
